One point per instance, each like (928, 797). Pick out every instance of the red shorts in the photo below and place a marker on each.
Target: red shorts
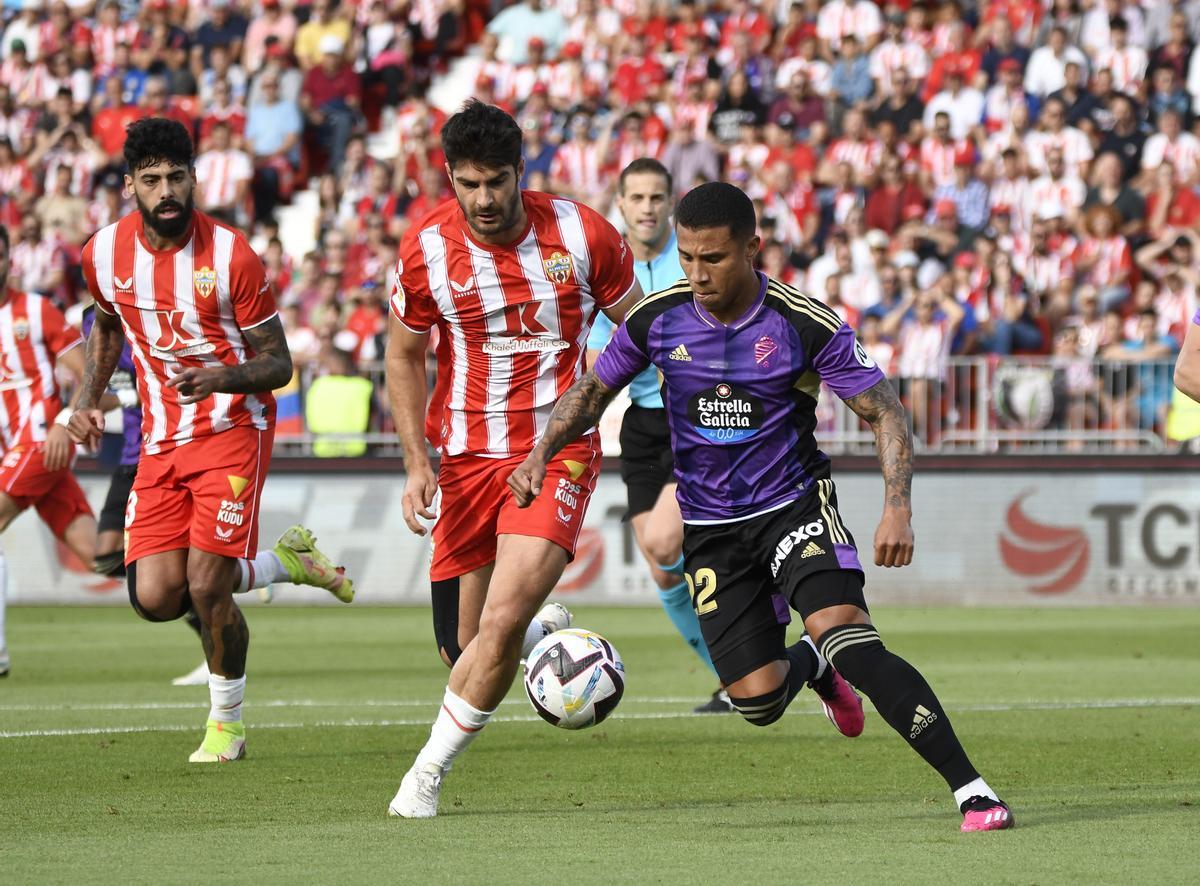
(477, 506)
(56, 495)
(202, 495)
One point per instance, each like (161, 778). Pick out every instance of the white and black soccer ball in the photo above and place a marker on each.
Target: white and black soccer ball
(574, 678)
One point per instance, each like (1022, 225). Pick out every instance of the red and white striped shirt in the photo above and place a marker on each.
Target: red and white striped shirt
(937, 159)
(1075, 147)
(219, 173)
(183, 308)
(1041, 273)
(33, 335)
(1128, 66)
(579, 166)
(25, 84)
(843, 18)
(33, 263)
(1013, 193)
(1112, 257)
(513, 320)
(863, 156)
(106, 39)
(889, 57)
(1183, 153)
(1048, 194)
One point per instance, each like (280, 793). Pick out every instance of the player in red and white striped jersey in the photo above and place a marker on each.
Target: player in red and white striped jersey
(35, 449)
(512, 280)
(192, 299)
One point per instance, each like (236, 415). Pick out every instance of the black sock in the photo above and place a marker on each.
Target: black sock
(804, 664)
(763, 710)
(901, 696)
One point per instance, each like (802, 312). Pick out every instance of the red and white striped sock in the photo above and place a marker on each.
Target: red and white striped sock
(456, 726)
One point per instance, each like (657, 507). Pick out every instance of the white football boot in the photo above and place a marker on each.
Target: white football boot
(418, 794)
(195, 677)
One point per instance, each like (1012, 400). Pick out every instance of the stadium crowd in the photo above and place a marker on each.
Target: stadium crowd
(953, 178)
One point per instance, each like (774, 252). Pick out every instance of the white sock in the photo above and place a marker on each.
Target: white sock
(3, 597)
(822, 664)
(263, 570)
(226, 694)
(533, 635)
(456, 726)
(976, 788)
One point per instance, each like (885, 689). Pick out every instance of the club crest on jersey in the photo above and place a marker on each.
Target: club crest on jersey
(763, 349)
(205, 281)
(21, 328)
(559, 267)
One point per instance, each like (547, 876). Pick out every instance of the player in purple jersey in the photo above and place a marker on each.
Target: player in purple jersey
(742, 357)
(1187, 367)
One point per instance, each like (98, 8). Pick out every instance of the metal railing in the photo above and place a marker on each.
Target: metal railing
(980, 405)
(1036, 405)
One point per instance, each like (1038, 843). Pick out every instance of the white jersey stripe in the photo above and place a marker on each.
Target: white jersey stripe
(5, 323)
(570, 227)
(500, 371)
(143, 293)
(185, 301)
(44, 367)
(9, 345)
(434, 249)
(222, 258)
(529, 254)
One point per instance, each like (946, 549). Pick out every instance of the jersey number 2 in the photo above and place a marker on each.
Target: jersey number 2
(701, 589)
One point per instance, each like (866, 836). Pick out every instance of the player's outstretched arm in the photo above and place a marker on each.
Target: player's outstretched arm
(576, 411)
(879, 407)
(104, 345)
(408, 388)
(270, 368)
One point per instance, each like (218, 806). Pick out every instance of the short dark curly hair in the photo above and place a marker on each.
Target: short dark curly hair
(482, 134)
(153, 140)
(717, 205)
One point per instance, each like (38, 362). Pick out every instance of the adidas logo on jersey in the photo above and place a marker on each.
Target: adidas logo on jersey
(921, 719)
(681, 353)
(813, 550)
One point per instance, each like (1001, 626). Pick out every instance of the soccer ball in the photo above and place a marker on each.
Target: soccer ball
(574, 678)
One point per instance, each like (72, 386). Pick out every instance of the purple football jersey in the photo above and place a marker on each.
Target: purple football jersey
(741, 399)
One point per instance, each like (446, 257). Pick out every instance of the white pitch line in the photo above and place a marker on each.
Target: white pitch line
(290, 703)
(662, 715)
(1062, 704)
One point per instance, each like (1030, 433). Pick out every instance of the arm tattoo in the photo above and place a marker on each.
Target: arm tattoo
(270, 367)
(879, 407)
(103, 351)
(576, 411)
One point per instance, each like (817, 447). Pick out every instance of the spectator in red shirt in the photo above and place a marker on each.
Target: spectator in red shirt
(1170, 206)
(330, 99)
(888, 202)
(638, 76)
(959, 58)
(433, 193)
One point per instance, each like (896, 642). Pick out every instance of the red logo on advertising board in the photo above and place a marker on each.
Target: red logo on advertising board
(587, 565)
(1055, 557)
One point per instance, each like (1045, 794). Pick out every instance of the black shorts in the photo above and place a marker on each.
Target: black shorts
(647, 464)
(112, 516)
(745, 576)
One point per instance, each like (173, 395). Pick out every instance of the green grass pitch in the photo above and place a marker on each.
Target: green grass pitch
(1086, 721)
